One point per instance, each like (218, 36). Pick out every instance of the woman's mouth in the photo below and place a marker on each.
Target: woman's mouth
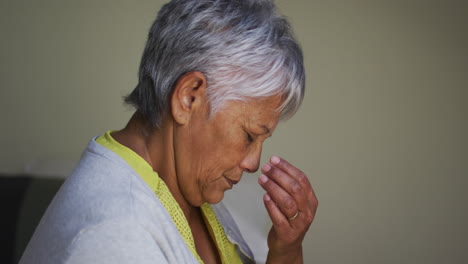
(231, 182)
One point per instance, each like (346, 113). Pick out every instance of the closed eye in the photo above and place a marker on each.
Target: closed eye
(250, 139)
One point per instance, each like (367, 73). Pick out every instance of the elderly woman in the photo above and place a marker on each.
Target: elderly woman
(215, 78)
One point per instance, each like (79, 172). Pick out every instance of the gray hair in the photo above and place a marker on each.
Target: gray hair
(243, 47)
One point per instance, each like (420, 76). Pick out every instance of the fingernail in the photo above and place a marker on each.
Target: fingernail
(275, 159)
(266, 167)
(267, 197)
(263, 178)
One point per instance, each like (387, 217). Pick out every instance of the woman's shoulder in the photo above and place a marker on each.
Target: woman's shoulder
(103, 203)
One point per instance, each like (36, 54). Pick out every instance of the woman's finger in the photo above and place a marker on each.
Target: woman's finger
(288, 183)
(284, 201)
(287, 167)
(296, 173)
(277, 217)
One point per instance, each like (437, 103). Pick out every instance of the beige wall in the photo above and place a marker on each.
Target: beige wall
(382, 133)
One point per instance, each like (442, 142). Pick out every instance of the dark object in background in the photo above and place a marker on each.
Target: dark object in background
(23, 201)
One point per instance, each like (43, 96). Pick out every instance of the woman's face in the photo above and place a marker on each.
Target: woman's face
(212, 153)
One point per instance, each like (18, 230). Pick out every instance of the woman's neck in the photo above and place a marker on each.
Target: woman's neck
(155, 146)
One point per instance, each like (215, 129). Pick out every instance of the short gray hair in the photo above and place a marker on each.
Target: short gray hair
(243, 47)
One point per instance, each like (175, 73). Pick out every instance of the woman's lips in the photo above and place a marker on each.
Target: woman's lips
(231, 182)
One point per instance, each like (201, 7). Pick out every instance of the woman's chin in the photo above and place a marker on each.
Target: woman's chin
(215, 198)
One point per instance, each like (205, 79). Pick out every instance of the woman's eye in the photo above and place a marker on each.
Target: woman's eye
(249, 138)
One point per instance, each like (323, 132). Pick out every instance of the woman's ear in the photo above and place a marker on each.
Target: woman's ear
(189, 95)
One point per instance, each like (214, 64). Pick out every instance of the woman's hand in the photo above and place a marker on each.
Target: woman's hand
(291, 204)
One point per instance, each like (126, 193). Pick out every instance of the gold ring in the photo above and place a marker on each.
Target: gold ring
(294, 217)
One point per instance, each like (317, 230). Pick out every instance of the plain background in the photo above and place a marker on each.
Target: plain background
(382, 133)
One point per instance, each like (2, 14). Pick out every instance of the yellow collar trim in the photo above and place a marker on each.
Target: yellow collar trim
(226, 249)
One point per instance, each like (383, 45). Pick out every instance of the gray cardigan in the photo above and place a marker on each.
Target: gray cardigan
(105, 213)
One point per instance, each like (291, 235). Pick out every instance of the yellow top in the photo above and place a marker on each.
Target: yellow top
(225, 248)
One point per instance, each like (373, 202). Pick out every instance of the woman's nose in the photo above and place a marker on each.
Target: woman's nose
(251, 162)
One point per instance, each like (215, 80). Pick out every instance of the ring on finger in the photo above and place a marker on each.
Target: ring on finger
(294, 217)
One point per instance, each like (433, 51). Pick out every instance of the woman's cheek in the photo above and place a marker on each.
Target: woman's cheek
(213, 193)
